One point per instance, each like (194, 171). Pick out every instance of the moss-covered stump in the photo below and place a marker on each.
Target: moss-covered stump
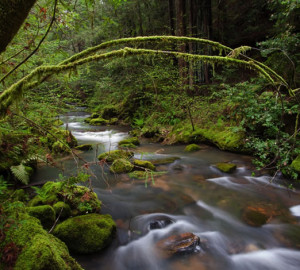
(84, 147)
(130, 142)
(140, 164)
(192, 148)
(62, 209)
(115, 154)
(40, 250)
(121, 165)
(86, 234)
(296, 164)
(163, 161)
(226, 167)
(98, 122)
(44, 213)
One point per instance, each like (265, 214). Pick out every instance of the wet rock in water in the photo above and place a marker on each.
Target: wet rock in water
(130, 142)
(163, 161)
(160, 223)
(226, 167)
(178, 168)
(256, 216)
(185, 243)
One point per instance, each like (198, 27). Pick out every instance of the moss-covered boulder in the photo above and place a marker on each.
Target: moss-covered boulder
(109, 112)
(38, 249)
(81, 199)
(144, 164)
(87, 233)
(84, 147)
(62, 135)
(98, 121)
(62, 209)
(192, 148)
(296, 164)
(226, 167)
(121, 165)
(44, 213)
(115, 154)
(130, 142)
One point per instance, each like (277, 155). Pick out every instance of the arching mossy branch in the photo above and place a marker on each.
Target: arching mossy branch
(138, 40)
(14, 92)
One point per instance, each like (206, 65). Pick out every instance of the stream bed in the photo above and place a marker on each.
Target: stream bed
(192, 197)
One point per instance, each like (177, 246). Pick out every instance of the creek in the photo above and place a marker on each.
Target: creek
(193, 196)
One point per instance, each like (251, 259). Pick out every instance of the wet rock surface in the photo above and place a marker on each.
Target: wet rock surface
(185, 243)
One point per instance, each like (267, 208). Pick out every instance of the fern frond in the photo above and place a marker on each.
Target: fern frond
(20, 173)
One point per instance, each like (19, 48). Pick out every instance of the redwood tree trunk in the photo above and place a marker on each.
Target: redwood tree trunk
(12, 15)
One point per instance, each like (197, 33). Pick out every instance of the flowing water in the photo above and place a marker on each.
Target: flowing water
(193, 196)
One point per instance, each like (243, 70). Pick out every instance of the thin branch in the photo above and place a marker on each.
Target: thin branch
(36, 49)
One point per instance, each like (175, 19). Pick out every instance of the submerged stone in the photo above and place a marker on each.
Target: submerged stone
(160, 223)
(115, 154)
(226, 167)
(86, 234)
(163, 161)
(256, 216)
(192, 148)
(185, 243)
(121, 165)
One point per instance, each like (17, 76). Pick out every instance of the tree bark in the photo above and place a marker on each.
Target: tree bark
(12, 15)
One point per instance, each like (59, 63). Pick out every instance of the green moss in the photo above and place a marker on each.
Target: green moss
(226, 167)
(35, 201)
(110, 112)
(58, 122)
(192, 148)
(115, 154)
(121, 165)
(62, 209)
(59, 148)
(98, 122)
(163, 161)
(145, 164)
(84, 147)
(39, 250)
(224, 139)
(45, 213)
(142, 175)
(86, 234)
(95, 115)
(127, 145)
(113, 121)
(19, 195)
(296, 164)
(132, 140)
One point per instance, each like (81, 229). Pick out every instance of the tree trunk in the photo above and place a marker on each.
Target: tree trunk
(12, 15)
(172, 17)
